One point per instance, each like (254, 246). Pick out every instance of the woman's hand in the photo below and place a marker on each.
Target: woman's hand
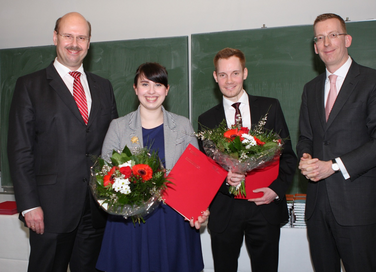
(201, 219)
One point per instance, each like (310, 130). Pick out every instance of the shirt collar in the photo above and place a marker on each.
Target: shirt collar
(63, 70)
(342, 71)
(227, 103)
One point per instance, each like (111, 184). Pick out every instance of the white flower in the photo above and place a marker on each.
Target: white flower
(128, 163)
(121, 185)
(248, 141)
(243, 156)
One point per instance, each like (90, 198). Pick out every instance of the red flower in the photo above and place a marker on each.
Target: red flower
(258, 141)
(109, 178)
(231, 134)
(126, 171)
(143, 170)
(244, 130)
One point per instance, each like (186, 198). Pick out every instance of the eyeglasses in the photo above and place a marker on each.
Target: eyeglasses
(70, 38)
(331, 36)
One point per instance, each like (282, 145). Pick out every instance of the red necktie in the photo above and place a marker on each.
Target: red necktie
(79, 95)
(332, 95)
(238, 115)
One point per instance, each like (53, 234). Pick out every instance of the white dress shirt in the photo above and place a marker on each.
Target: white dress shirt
(244, 111)
(63, 71)
(341, 75)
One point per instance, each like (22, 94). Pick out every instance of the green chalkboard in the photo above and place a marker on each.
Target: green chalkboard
(279, 61)
(117, 61)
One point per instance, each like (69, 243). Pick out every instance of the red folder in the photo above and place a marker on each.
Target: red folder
(259, 178)
(196, 179)
(8, 207)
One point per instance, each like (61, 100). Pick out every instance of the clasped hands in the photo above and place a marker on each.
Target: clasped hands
(269, 195)
(315, 169)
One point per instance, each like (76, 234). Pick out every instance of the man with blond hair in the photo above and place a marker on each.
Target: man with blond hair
(257, 219)
(337, 149)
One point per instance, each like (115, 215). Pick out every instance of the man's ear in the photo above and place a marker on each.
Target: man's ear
(215, 76)
(55, 38)
(245, 73)
(348, 40)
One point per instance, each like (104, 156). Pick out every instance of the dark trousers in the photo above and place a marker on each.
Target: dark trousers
(52, 252)
(261, 239)
(330, 242)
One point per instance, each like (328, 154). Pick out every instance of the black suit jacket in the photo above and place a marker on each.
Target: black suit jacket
(275, 212)
(349, 134)
(50, 148)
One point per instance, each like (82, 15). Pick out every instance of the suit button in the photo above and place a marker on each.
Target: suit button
(326, 143)
(87, 130)
(87, 155)
(84, 180)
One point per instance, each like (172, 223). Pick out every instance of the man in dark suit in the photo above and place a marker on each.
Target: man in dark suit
(51, 144)
(338, 154)
(257, 219)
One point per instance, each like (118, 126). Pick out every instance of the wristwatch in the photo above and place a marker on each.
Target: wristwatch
(335, 166)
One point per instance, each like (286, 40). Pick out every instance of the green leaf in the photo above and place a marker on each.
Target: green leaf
(116, 159)
(269, 145)
(99, 180)
(237, 143)
(127, 151)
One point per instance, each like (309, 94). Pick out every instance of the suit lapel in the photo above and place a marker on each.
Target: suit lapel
(254, 110)
(135, 129)
(219, 116)
(170, 138)
(347, 88)
(95, 99)
(320, 100)
(61, 89)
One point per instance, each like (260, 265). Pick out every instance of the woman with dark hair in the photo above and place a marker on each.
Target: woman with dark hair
(166, 242)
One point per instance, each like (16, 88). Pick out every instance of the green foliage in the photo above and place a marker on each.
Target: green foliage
(141, 189)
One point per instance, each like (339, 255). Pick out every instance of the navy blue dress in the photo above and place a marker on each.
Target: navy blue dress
(165, 243)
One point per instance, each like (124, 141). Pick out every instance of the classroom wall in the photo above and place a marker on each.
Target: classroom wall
(25, 23)
(30, 23)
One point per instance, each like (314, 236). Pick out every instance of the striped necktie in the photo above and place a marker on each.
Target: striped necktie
(238, 115)
(79, 95)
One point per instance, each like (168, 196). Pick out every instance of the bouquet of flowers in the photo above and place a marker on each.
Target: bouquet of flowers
(129, 184)
(242, 150)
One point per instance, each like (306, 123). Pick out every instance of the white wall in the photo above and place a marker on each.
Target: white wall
(26, 23)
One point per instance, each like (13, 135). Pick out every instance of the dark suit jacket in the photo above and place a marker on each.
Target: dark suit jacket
(50, 148)
(275, 212)
(349, 134)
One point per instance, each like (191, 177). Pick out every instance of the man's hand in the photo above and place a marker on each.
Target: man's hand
(314, 169)
(268, 197)
(35, 220)
(234, 179)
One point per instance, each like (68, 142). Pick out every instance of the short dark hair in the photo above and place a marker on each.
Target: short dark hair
(152, 71)
(327, 16)
(57, 24)
(227, 53)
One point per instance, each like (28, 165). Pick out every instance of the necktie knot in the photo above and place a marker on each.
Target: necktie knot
(75, 74)
(333, 79)
(236, 105)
